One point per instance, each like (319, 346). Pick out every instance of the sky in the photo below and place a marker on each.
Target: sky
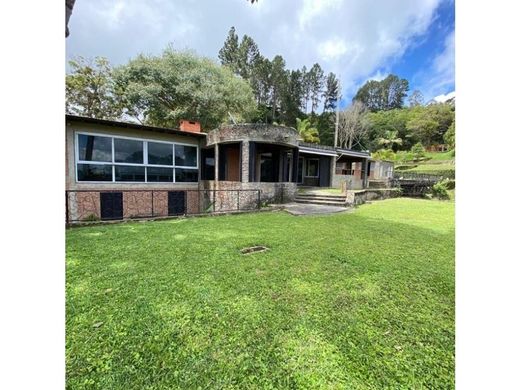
(358, 40)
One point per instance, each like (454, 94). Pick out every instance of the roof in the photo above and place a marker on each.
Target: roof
(137, 126)
(330, 150)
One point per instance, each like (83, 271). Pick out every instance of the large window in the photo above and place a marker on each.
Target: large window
(101, 158)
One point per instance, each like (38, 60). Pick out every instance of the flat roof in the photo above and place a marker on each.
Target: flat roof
(330, 150)
(129, 125)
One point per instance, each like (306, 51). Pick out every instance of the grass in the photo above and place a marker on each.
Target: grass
(441, 156)
(362, 300)
(433, 167)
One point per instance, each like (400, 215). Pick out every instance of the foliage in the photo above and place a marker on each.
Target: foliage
(416, 99)
(384, 154)
(418, 151)
(449, 136)
(306, 131)
(176, 85)
(386, 94)
(90, 90)
(440, 190)
(91, 218)
(331, 93)
(182, 308)
(390, 139)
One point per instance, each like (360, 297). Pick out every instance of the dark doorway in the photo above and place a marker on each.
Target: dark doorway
(176, 202)
(111, 205)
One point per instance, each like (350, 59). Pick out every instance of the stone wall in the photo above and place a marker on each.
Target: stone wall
(247, 199)
(351, 182)
(355, 198)
(257, 132)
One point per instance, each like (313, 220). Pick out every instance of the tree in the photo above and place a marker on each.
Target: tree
(330, 95)
(278, 78)
(306, 131)
(386, 94)
(292, 97)
(418, 151)
(306, 86)
(181, 85)
(352, 124)
(449, 136)
(90, 89)
(247, 56)
(390, 139)
(261, 80)
(416, 99)
(316, 82)
(229, 54)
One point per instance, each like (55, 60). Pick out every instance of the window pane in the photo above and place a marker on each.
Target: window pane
(159, 174)
(129, 151)
(91, 172)
(94, 148)
(312, 168)
(186, 175)
(160, 154)
(129, 173)
(186, 156)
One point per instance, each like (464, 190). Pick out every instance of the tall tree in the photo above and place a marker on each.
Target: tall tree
(248, 54)
(316, 83)
(386, 94)
(180, 85)
(278, 79)
(292, 97)
(261, 80)
(90, 89)
(306, 86)
(229, 55)
(352, 125)
(330, 96)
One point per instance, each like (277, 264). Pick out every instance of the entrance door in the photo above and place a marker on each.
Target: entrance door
(300, 170)
(111, 205)
(176, 202)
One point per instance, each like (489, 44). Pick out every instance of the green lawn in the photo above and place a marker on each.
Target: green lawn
(361, 300)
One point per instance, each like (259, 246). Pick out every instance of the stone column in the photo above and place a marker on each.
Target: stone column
(365, 173)
(216, 162)
(245, 161)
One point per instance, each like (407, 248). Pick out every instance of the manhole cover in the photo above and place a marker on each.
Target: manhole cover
(253, 249)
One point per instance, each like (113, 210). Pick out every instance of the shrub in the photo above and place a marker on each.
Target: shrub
(418, 151)
(440, 189)
(91, 218)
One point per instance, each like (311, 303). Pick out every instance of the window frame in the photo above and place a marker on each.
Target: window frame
(145, 163)
(307, 167)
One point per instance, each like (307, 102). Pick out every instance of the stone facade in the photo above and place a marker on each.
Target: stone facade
(257, 132)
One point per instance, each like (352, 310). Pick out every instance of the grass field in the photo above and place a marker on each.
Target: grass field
(361, 300)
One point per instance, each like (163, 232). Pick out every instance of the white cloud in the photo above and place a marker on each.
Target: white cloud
(443, 98)
(353, 38)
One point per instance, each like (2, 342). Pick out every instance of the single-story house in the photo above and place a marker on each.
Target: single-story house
(118, 170)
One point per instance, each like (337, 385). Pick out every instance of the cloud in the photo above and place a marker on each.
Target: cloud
(443, 98)
(439, 78)
(352, 38)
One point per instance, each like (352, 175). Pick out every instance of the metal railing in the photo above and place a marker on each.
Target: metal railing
(110, 205)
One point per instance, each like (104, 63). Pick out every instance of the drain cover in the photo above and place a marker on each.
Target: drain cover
(253, 249)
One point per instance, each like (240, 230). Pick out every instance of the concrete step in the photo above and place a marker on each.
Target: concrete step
(320, 196)
(322, 202)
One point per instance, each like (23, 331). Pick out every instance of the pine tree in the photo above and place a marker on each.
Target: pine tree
(330, 95)
(248, 54)
(316, 83)
(229, 55)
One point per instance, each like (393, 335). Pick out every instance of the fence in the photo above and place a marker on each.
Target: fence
(107, 205)
(437, 176)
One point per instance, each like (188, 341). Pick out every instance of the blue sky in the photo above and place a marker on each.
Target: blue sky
(356, 39)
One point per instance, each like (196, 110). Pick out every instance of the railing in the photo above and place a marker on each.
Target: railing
(107, 205)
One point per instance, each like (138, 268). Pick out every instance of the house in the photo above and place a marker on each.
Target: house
(119, 170)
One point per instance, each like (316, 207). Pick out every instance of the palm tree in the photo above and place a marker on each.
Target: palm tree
(390, 138)
(308, 133)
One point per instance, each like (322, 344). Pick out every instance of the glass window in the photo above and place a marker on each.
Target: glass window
(312, 168)
(186, 175)
(129, 173)
(94, 148)
(128, 151)
(161, 175)
(94, 172)
(160, 154)
(185, 156)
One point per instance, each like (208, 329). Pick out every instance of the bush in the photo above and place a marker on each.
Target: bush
(440, 190)
(418, 151)
(91, 218)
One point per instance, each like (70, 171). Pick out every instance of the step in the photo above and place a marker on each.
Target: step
(320, 196)
(338, 199)
(321, 202)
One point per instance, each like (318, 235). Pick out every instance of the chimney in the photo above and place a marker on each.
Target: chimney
(191, 126)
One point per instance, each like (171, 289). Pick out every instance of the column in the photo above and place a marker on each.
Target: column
(245, 161)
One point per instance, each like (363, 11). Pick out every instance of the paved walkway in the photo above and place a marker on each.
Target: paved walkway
(313, 209)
